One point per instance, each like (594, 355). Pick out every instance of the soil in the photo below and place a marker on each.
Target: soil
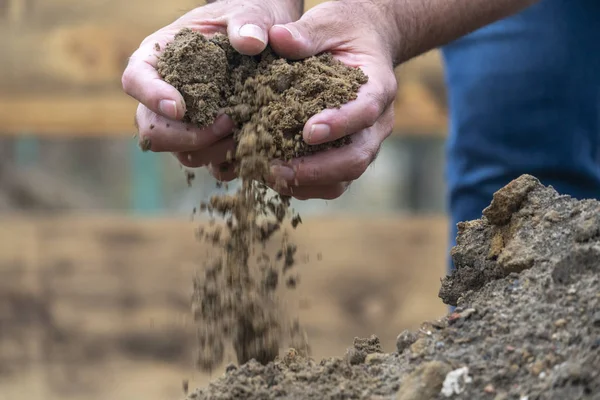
(270, 100)
(526, 325)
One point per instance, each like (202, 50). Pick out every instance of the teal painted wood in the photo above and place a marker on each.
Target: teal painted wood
(146, 181)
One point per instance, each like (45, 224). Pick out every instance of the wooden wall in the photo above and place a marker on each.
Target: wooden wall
(62, 61)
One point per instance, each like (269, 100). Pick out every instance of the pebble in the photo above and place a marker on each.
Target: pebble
(425, 382)
(537, 368)
(560, 323)
(405, 340)
(455, 381)
(419, 347)
(489, 389)
(375, 358)
(596, 319)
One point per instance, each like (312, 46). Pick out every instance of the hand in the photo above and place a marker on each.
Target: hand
(356, 33)
(161, 108)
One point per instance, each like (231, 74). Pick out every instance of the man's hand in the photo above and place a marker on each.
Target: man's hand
(355, 32)
(158, 117)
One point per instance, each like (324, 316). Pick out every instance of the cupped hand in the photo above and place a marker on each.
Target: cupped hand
(161, 108)
(356, 33)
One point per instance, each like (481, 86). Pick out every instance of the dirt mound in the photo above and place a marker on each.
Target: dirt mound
(270, 100)
(527, 325)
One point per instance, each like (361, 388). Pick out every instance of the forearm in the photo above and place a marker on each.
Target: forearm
(422, 25)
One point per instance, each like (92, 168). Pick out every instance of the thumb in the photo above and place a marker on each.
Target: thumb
(317, 31)
(248, 36)
(248, 29)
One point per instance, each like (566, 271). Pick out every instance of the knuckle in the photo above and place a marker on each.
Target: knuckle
(360, 163)
(310, 172)
(372, 109)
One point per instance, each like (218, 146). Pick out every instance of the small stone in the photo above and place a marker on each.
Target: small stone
(425, 382)
(552, 216)
(456, 381)
(354, 356)
(418, 348)
(489, 389)
(537, 368)
(509, 199)
(596, 319)
(375, 358)
(230, 368)
(560, 323)
(404, 340)
(501, 396)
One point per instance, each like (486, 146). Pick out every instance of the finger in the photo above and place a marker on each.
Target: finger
(328, 192)
(320, 29)
(216, 154)
(248, 34)
(372, 100)
(142, 82)
(224, 172)
(342, 164)
(163, 134)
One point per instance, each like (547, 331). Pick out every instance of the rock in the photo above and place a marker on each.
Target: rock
(455, 381)
(354, 356)
(596, 319)
(507, 200)
(404, 340)
(489, 389)
(418, 348)
(425, 382)
(361, 348)
(560, 323)
(552, 216)
(375, 358)
(466, 314)
(587, 228)
(580, 259)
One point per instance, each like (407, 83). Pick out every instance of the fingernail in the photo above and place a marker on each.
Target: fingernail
(319, 133)
(168, 108)
(254, 32)
(223, 126)
(293, 31)
(283, 172)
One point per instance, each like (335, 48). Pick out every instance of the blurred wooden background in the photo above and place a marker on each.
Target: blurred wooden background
(94, 304)
(62, 62)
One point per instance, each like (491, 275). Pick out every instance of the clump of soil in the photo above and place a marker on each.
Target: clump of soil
(270, 100)
(526, 326)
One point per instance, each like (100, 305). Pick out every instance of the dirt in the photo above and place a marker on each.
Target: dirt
(270, 100)
(526, 325)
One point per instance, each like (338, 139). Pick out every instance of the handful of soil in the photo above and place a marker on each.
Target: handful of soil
(270, 99)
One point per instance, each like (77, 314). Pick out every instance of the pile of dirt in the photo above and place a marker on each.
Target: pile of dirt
(270, 100)
(526, 326)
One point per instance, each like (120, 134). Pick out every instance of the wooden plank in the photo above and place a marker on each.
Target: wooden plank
(71, 87)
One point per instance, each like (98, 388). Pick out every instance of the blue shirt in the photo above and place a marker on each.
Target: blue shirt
(524, 97)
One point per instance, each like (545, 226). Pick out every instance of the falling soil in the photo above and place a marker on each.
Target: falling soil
(526, 326)
(270, 100)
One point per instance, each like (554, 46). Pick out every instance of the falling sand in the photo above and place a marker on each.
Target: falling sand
(270, 99)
